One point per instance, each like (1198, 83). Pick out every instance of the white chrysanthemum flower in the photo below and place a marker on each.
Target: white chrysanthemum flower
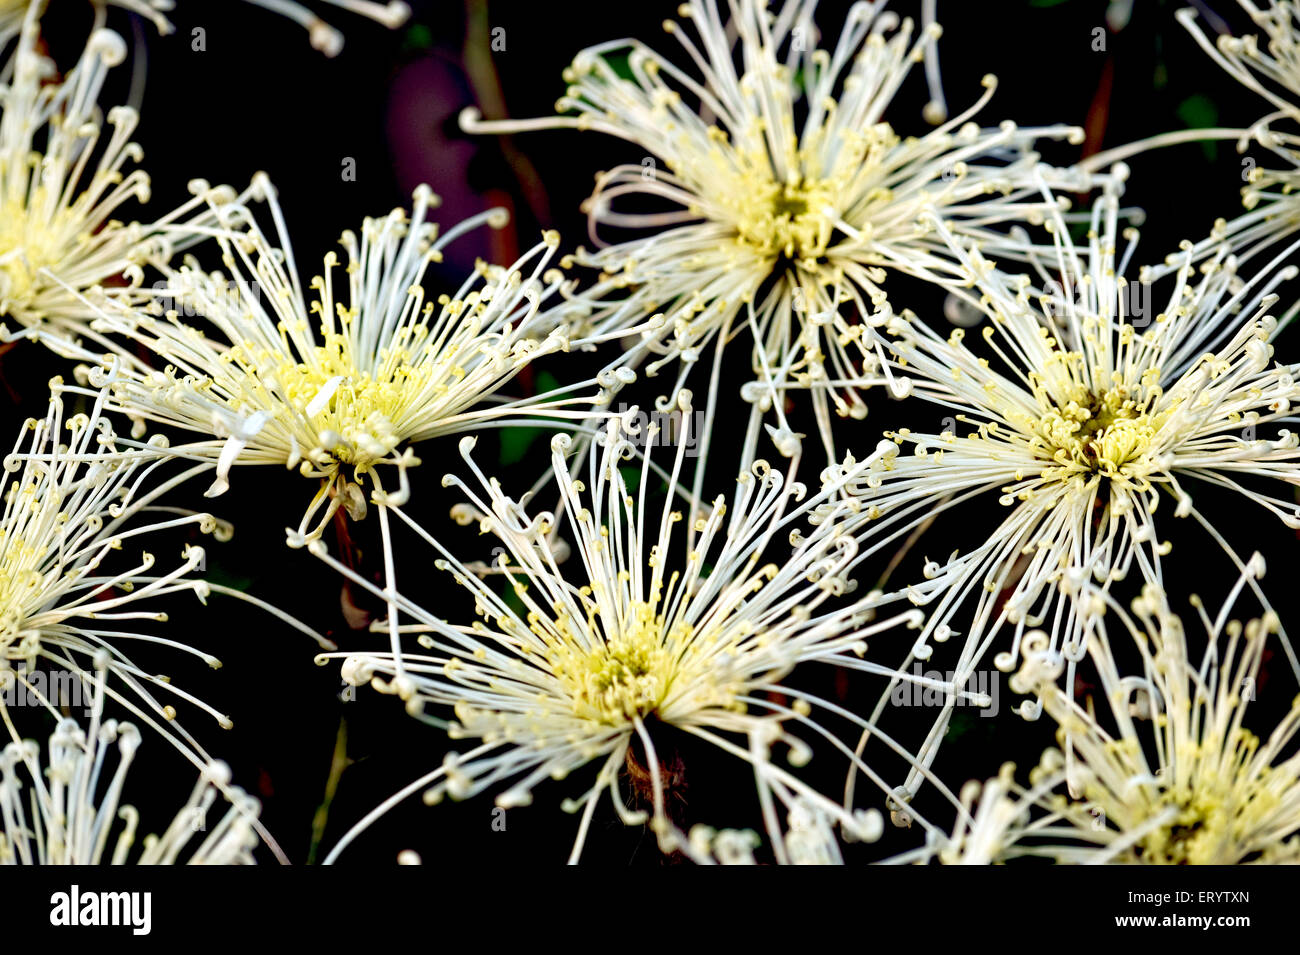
(326, 38)
(1169, 774)
(322, 35)
(692, 629)
(1270, 66)
(70, 495)
(1079, 419)
(62, 806)
(341, 381)
(14, 12)
(810, 839)
(67, 169)
(73, 496)
(996, 816)
(790, 196)
(64, 173)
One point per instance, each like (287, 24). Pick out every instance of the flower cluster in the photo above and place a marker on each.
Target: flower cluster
(630, 602)
(76, 805)
(686, 627)
(334, 383)
(790, 197)
(1169, 773)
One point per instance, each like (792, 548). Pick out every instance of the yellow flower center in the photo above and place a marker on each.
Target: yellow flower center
(1193, 838)
(27, 245)
(784, 220)
(1213, 815)
(1107, 434)
(356, 415)
(340, 401)
(1219, 804)
(629, 675)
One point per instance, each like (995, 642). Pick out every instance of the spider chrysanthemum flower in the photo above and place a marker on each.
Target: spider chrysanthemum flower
(810, 839)
(690, 627)
(1270, 66)
(1168, 773)
(996, 815)
(62, 805)
(73, 497)
(56, 227)
(66, 169)
(1078, 419)
(787, 195)
(342, 380)
(322, 35)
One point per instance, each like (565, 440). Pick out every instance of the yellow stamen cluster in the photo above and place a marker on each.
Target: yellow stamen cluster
(28, 244)
(354, 412)
(1194, 836)
(1214, 805)
(626, 677)
(358, 410)
(795, 218)
(1107, 434)
(361, 409)
(18, 581)
(777, 220)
